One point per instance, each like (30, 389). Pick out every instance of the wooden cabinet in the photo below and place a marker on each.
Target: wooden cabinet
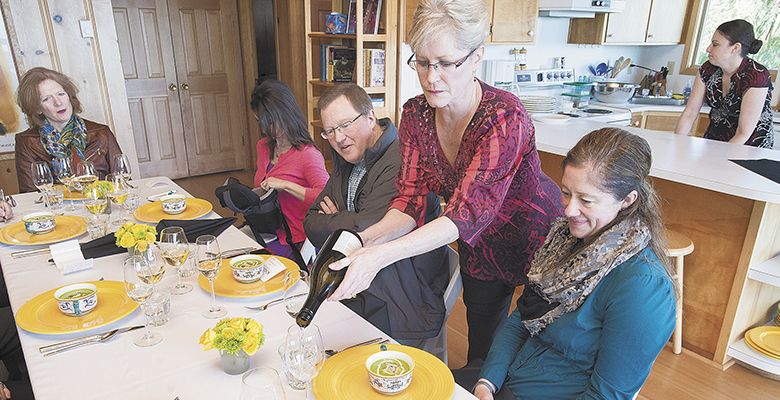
(8, 181)
(386, 39)
(514, 21)
(643, 22)
(511, 21)
(667, 121)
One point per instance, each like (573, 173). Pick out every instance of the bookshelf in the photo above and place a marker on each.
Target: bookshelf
(385, 39)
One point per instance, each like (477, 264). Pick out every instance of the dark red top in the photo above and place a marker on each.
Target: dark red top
(724, 112)
(497, 194)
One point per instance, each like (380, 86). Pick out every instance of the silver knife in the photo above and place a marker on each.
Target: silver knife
(78, 342)
(28, 253)
(237, 252)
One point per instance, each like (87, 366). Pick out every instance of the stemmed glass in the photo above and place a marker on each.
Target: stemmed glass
(139, 291)
(261, 383)
(63, 169)
(209, 261)
(293, 297)
(175, 251)
(304, 353)
(118, 195)
(120, 164)
(86, 174)
(42, 178)
(95, 202)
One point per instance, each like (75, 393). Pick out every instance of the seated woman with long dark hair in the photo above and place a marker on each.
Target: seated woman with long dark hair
(600, 303)
(287, 160)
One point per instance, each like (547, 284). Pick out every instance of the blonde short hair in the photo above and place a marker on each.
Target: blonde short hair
(467, 20)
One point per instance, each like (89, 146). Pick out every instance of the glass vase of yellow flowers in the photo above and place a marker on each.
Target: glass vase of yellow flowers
(236, 339)
(137, 239)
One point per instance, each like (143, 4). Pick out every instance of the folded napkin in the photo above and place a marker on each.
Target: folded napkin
(769, 169)
(106, 245)
(68, 258)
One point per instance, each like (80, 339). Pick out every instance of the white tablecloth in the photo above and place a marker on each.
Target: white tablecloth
(175, 368)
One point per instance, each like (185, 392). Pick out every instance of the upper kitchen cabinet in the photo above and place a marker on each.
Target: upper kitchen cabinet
(511, 21)
(644, 22)
(514, 21)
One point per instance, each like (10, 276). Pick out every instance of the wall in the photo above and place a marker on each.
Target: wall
(46, 33)
(550, 43)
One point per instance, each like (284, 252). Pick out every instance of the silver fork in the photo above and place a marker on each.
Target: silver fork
(379, 340)
(262, 307)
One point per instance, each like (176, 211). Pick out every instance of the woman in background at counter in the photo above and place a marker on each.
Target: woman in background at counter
(48, 98)
(475, 146)
(737, 88)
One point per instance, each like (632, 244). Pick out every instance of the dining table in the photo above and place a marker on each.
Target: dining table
(177, 368)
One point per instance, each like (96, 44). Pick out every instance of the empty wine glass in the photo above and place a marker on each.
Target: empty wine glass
(209, 261)
(63, 169)
(86, 174)
(139, 291)
(120, 164)
(175, 251)
(304, 353)
(42, 178)
(261, 384)
(118, 195)
(294, 296)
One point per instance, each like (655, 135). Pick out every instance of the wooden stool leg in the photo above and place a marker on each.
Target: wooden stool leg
(677, 336)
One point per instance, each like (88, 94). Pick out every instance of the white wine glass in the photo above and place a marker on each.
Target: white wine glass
(118, 195)
(261, 383)
(209, 261)
(63, 169)
(154, 270)
(42, 178)
(95, 202)
(293, 295)
(86, 174)
(175, 251)
(304, 353)
(139, 291)
(120, 164)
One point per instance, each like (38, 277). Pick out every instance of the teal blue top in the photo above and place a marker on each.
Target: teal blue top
(603, 350)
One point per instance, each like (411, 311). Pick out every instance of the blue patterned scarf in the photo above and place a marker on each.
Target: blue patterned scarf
(72, 136)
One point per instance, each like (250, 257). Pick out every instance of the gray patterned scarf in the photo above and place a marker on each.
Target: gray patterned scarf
(564, 276)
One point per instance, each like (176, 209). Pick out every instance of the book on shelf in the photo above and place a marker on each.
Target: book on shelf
(377, 102)
(352, 17)
(372, 10)
(344, 61)
(335, 23)
(326, 60)
(374, 62)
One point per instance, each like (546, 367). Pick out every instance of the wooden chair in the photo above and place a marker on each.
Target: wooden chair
(678, 246)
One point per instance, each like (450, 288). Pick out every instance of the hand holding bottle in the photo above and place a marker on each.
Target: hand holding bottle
(364, 265)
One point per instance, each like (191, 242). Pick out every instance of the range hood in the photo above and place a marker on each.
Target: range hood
(579, 8)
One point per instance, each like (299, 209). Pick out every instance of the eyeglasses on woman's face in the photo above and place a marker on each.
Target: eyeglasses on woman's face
(328, 133)
(442, 67)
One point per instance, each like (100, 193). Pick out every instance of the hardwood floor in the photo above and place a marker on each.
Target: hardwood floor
(684, 376)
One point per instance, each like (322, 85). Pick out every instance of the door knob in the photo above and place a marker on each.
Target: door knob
(610, 35)
(531, 33)
(185, 86)
(172, 87)
(650, 35)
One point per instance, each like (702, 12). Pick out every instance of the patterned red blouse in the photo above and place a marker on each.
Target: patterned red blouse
(496, 192)
(724, 112)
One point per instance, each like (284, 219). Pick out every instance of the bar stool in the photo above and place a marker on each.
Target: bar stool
(678, 246)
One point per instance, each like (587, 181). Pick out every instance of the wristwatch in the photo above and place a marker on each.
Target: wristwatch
(486, 383)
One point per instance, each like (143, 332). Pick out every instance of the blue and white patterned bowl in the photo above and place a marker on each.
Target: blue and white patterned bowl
(389, 383)
(247, 268)
(39, 222)
(173, 204)
(77, 299)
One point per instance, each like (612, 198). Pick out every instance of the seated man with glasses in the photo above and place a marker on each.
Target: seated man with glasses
(406, 299)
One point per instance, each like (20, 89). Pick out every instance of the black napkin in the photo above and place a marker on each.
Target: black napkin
(769, 169)
(106, 245)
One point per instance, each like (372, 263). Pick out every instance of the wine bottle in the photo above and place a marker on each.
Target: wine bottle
(324, 281)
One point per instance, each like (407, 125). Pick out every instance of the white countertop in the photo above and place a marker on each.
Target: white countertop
(689, 160)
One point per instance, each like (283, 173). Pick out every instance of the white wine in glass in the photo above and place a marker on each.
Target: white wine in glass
(209, 261)
(95, 202)
(139, 291)
(86, 174)
(175, 251)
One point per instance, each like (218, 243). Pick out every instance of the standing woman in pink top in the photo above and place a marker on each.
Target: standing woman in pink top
(287, 160)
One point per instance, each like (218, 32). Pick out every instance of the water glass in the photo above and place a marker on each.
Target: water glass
(55, 197)
(294, 292)
(132, 202)
(294, 382)
(97, 227)
(157, 308)
(261, 384)
(304, 353)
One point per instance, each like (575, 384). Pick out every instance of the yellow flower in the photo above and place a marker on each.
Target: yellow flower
(207, 339)
(229, 333)
(127, 240)
(141, 245)
(232, 334)
(254, 328)
(236, 323)
(251, 344)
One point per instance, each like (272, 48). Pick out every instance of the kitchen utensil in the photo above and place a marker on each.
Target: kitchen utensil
(614, 92)
(330, 352)
(592, 70)
(601, 69)
(29, 253)
(60, 347)
(237, 252)
(262, 307)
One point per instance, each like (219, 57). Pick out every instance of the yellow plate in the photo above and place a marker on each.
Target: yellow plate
(766, 338)
(153, 212)
(41, 315)
(67, 227)
(760, 350)
(69, 195)
(226, 286)
(344, 376)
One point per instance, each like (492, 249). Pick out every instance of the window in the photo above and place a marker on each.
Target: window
(708, 14)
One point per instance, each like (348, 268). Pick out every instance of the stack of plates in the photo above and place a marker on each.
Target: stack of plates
(765, 340)
(539, 104)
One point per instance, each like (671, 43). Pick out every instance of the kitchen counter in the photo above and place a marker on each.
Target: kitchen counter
(731, 214)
